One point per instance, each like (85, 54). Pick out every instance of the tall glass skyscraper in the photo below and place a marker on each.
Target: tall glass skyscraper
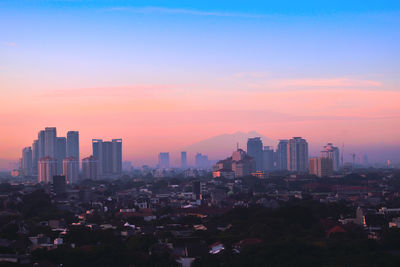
(298, 155)
(73, 144)
(255, 150)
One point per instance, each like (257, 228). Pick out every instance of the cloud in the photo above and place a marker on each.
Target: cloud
(183, 11)
(313, 83)
(138, 90)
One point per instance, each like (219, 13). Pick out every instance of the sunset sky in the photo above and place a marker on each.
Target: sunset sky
(162, 75)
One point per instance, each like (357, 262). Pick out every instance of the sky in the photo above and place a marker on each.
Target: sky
(163, 75)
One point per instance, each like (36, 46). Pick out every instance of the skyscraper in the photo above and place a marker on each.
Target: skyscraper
(35, 156)
(116, 151)
(41, 144)
(71, 169)
(282, 154)
(50, 142)
(27, 160)
(163, 160)
(183, 160)
(255, 150)
(333, 153)
(90, 168)
(268, 159)
(47, 168)
(201, 161)
(61, 153)
(73, 144)
(297, 155)
(109, 155)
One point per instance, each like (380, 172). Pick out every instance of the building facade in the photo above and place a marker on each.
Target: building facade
(255, 150)
(47, 168)
(297, 160)
(71, 169)
(90, 168)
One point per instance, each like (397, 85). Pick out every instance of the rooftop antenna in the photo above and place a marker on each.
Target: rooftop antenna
(237, 146)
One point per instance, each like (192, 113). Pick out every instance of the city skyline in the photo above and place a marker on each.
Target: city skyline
(173, 74)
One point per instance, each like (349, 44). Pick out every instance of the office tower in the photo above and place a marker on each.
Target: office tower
(201, 161)
(268, 159)
(255, 150)
(35, 156)
(183, 160)
(73, 144)
(163, 160)
(297, 155)
(97, 150)
(109, 155)
(61, 152)
(71, 169)
(333, 153)
(59, 184)
(27, 160)
(41, 144)
(50, 142)
(116, 151)
(90, 168)
(321, 166)
(281, 155)
(47, 168)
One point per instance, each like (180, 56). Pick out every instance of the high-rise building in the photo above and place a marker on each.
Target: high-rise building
(109, 155)
(47, 168)
(255, 150)
(240, 164)
(163, 160)
(41, 144)
(50, 142)
(201, 161)
(35, 156)
(90, 168)
(71, 169)
(59, 184)
(27, 160)
(268, 159)
(116, 151)
(183, 160)
(321, 166)
(282, 155)
(297, 155)
(333, 153)
(61, 153)
(73, 144)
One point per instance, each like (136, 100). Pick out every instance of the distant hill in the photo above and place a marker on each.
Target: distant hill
(221, 146)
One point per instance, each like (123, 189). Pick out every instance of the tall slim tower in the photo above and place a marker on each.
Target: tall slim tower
(50, 142)
(297, 155)
(282, 155)
(255, 150)
(97, 149)
(183, 160)
(35, 156)
(73, 144)
(27, 160)
(116, 151)
(61, 153)
(41, 144)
